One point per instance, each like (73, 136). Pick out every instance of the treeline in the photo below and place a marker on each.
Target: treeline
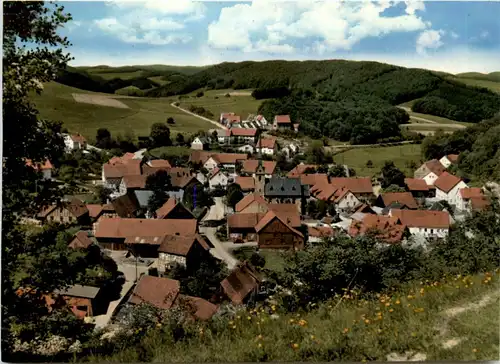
(478, 147)
(450, 100)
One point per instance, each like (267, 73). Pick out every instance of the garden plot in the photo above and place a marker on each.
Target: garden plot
(99, 100)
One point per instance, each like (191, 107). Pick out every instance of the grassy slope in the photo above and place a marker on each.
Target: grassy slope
(410, 319)
(492, 76)
(489, 84)
(402, 154)
(240, 105)
(56, 103)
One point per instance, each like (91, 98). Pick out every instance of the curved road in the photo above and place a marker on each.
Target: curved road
(199, 116)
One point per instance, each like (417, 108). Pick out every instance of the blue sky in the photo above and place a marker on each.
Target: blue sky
(447, 36)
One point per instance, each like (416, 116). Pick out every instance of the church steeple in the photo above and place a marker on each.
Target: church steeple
(260, 172)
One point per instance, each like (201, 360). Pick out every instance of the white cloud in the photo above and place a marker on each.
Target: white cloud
(484, 34)
(332, 25)
(429, 39)
(454, 35)
(151, 22)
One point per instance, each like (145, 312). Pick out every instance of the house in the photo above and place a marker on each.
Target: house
(311, 179)
(182, 178)
(112, 233)
(242, 284)
(404, 199)
(126, 206)
(286, 190)
(72, 211)
(219, 135)
(365, 209)
(471, 199)
(247, 184)
(83, 300)
(156, 291)
(252, 203)
(225, 115)
(231, 120)
(424, 223)
(200, 143)
(342, 198)
(290, 150)
(361, 187)
(267, 146)
(98, 210)
(81, 240)
(173, 209)
(142, 197)
(430, 171)
(282, 121)
(242, 225)
(418, 187)
(44, 168)
(448, 160)
(195, 307)
(448, 188)
(386, 228)
(274, 231)
(74, 142)
(301, 169)
(247, 148)
(186, 251)
(316, 234)
(242, 135)
(218, 179)
(116, 168)
(250, 166)
(224, 160)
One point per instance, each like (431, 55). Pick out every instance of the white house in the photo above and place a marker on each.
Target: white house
(199, 143)
(342, 198)
(466, 196)
(448, 160)
(290, 150)
(218, 179)
(448, 188)
(243, 135)
(74, 142)
(44, 168)
(430, 171)
(221, 135)
(267, 146)
(424, 223)
(247, 148)
(211, 164)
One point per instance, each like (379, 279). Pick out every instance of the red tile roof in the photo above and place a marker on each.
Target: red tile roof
(300, 169)
(120, 168)
(229, 158)
(270, 216)
(78, 138)
(160, 163)
(467, 193)
(388, 229)
(416, 184)
(320, 231)
(248, 199)
(242, 280)
(435, 166)
(269, 142)
(244, 220)
(353, 184)
(453, 158)
(250, 166)
(159, 292)
(94, 209)
(243, 132)
(283, 119)
(423, 218)
(314, 178)
(479, 203)
(404, 198)
(199, 156)
(196, 307)
(246, 183)
(179, 245)
(446, 182)
(39, 166)
(135, 181)
(167, 207)
(115, 227)
(80, 241)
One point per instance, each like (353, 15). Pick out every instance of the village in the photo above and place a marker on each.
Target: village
(273, 211)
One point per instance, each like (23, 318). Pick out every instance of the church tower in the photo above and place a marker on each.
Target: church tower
(260, 173)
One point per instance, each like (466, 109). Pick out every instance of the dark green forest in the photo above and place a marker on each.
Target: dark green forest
(478, 147)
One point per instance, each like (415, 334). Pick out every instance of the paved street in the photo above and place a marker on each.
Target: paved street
(219, 250)
(217, 211)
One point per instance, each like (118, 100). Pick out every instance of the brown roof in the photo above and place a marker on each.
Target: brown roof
(80, 241)
(231, 118)
(180, 177)
(471, 192)
(423, 218)
(229, 158)
(39, 166)
(479, 203)
(283, 119)
(270, 216)
(160, 163)
(242, 280)
(244, 132)
(246, 183)
(250, 166)
(199, 156)
(117, 168)
(195, 306)
(159, 292)
(435, 166)
(288, 212)
(364, 208)
(354, 184)
(404, 198)
(300, 169)
(453, 158)
(269, 142)
(384, 228)
(446, 182)
(135, 181)
(76, 207)
(96, 209)
(167, 207)
(416, 184)
(320, 231)
(180, 245)
(248, 199)
(244, 221)
(313, 179)
(126, 205)
(78, 138)
(116, 227)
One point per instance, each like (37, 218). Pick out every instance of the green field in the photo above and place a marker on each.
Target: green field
(57, 103)
(489, 84)
(217, 103)
(401, 155)
(159, 80)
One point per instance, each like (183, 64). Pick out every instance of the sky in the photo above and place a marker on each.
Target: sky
(439, 35)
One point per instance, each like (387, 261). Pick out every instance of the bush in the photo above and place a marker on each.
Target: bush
(200, 94)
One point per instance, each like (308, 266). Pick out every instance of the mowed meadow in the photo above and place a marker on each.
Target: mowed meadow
(56, 102)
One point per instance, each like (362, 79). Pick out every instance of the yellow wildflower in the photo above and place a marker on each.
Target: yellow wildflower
(398, 302)
(346, 330)
(234, 327)
(273, 307)
(413, 334)
(475, 350)
(367, 321)
(238, 317)
(313, 337)
(231, 322)
(295, 346)
(387, 304)
(419, 309)
(260, 345)
(379, 331)
(421, 290)
(292, 321)
(259, 337)
(391, 310)
(302, 322)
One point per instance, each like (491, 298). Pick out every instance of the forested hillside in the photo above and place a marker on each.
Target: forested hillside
(478, 147)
